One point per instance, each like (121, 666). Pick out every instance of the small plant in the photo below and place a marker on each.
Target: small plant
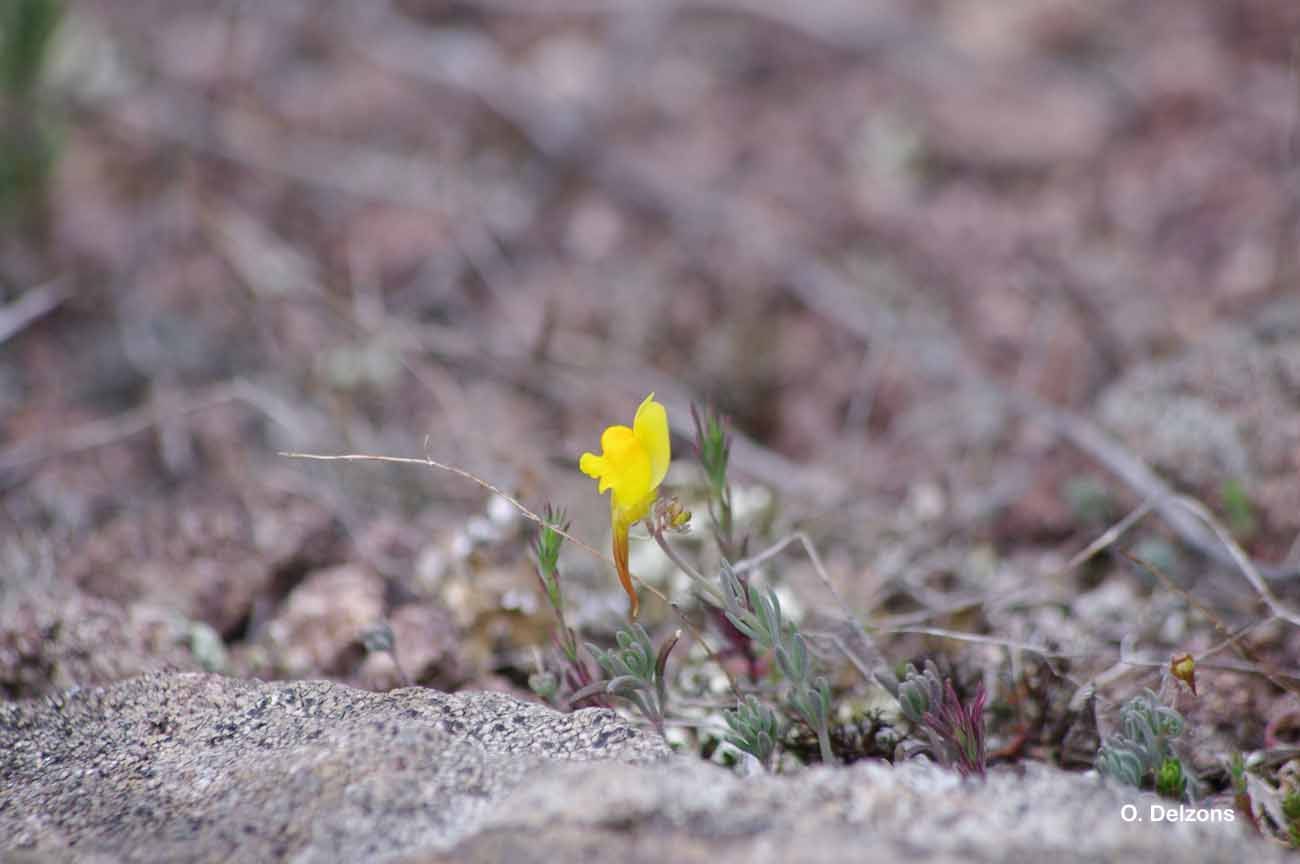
(954, 732)
(960, 730)
(1291, 812)
(1170, 782)
(713, 447)
(1240, 791)
(757, 614)
(754, 729)
(576, 676)
(632, 463)
(1239, 510)
(1141, 754)
(1267, 795)
(917, 691)
(550, 537)
(635, 671)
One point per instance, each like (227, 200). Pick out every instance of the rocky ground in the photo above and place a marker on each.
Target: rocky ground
(208, 768)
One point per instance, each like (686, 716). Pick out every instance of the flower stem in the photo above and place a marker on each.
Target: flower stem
(703, 584)
(824, 743)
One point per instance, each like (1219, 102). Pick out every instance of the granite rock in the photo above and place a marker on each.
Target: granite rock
(191, 767)
(689, 812)
(196, 767)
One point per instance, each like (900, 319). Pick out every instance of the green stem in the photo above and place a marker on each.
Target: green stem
(824, 742)
(704, 584)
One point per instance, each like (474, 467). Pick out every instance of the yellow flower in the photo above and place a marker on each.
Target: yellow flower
(632, 464)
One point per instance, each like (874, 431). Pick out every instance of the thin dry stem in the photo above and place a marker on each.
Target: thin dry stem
(1240, 558)
(430, 462)
(980, 639)
(819, 568)
(844, 649)
(1108, 537)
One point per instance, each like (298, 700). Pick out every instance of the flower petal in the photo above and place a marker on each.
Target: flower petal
(592, 465)
(625, 468)
(651, 429)
(615, 440)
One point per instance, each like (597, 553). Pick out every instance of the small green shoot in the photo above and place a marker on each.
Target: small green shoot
(1238, 510)
(754, 729)
(1170, 782)
(1291, 812)
(757, 614)
(1141, 754)
(547, 552)
(576, 676)
(713, 447)
(635, 671)
(955, 732)
(1240, 791)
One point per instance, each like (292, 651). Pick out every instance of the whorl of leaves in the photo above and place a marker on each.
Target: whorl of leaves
(1141, 754)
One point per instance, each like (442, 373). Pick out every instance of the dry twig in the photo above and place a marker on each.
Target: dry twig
(30, 308)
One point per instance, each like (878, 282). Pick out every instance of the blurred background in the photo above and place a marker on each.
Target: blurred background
(866, 230)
